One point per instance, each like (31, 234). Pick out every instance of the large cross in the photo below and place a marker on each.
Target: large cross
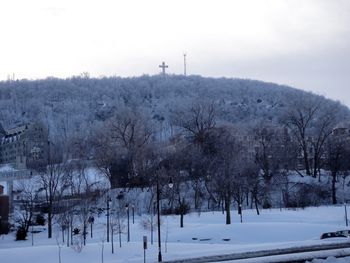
(163, 67)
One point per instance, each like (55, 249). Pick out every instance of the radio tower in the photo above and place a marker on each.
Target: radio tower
(185, 73)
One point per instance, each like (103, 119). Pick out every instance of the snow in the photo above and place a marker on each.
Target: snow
(6, 168)
(204, 234)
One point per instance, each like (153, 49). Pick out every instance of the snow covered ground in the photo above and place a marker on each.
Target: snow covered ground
(204, 234)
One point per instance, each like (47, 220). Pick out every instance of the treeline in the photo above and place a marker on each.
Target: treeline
(70, 106)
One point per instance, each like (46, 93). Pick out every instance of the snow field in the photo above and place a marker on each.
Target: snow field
(203, 235)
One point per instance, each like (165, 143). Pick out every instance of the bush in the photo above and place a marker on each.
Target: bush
(167, 211)
(40, 220)
(76, 231)
(21, 233)
(177, 210)
(308, 195)
(266, 204)
(184, 208)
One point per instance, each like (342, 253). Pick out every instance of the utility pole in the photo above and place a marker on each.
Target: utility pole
(185, 73)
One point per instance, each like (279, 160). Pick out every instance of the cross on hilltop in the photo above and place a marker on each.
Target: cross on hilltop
(163, 67)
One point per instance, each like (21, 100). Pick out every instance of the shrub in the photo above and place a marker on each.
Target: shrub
(184, 207)
(40, 220)
(21, 233)
(266, 204)
(76, 231)
(308, 195)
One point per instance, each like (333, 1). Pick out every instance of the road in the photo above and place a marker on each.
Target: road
(293, 254)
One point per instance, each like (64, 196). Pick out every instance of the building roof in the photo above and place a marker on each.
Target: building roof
(17, 130)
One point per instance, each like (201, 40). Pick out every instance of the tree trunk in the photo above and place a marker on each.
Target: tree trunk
(112, 239)
(316, 165)
(68, 231)
(227, 210)
(334, 189)
(306, 161)
(247, 198)
(49, 224)
(182, 219)
(84, 233)
(182, 211)
(256, 205)
(196, 196)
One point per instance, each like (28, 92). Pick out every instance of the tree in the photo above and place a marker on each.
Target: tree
(338, 156)
(53, 182)
(25, 213)
(179, 192)
(109, 157)
(226, 173)
(311, 123)
(254, 185)
(123, 148)
(267, 150)
(132, 131)
(197, 122)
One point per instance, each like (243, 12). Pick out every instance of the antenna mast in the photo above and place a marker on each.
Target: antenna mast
(185, 73)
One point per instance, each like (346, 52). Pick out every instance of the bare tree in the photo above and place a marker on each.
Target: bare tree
(105, 153)
(123, 150)
(338, 156)
(324, 125)
(311, 124)
(53, 182)
(132, 131)
(25, 212)
(226, 172)
(179, 192)
(197, 121)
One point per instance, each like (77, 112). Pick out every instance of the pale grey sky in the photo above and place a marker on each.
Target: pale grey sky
(302, 43)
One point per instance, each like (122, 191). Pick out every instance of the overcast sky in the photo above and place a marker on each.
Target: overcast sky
(302, 43)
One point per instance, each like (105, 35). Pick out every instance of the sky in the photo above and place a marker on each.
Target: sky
(301, 43)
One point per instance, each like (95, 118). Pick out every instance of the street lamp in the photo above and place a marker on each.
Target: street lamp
(133, 214)
(108, 200)
(120, 197)
(91, 220)
(127, 211)
(346, 214)
(170, 184)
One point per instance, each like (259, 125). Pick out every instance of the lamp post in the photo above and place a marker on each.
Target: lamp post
(108, 200)
(133, 214)
(158, 217)
(120, 197)
(127, 211)
(91, 220)
(346, 214)
(153, 209)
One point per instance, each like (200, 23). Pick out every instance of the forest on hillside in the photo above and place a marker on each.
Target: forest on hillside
(74, 105)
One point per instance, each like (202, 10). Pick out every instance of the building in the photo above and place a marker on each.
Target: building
(4, 214)
(23, 145)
